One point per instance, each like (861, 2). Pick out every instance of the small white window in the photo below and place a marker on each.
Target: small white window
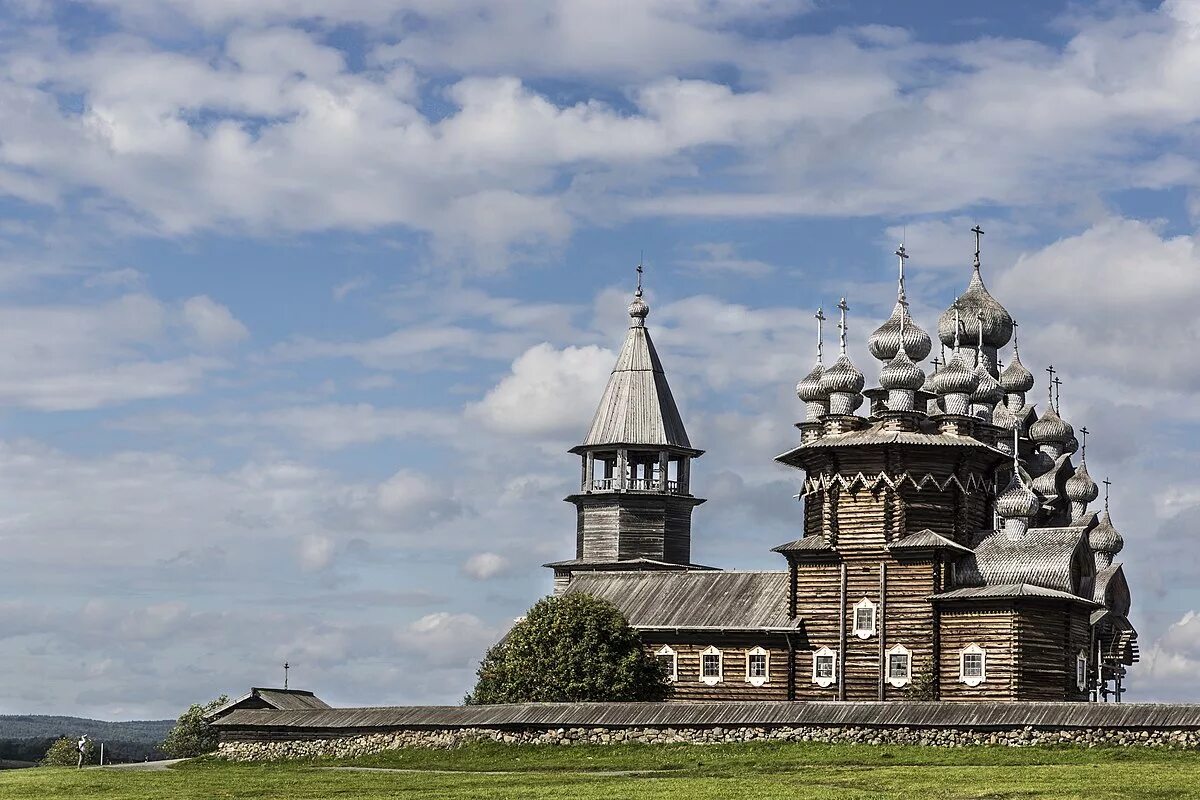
(824, 667)
(710, 666)
(667, 656)
(972, 665)
(1081, 670)
(864, 619)
(899, 666)
(758, 666)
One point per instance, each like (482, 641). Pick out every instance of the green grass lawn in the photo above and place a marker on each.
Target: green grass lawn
(746, 772)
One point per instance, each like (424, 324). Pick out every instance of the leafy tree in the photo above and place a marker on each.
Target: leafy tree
(63, 753)
(574, 648)
(192, 736)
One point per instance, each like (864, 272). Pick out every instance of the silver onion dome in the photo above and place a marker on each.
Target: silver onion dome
(842, 376)
(997, 323)
(988, 390)
(1017, 500)
(901, 373)
(1016, 379)
(884, 343)
(1080, 486)
(1051, 428)
(1004, 417)
(638, 308)
(955, 377)
(809, 388)
(1104, 538)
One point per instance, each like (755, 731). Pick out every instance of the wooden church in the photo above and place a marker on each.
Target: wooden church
(948, 550)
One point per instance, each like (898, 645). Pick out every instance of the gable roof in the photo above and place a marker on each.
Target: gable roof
(276, 699)
(1007, 590)
(694, 600)
(926, 539)
(637, 407)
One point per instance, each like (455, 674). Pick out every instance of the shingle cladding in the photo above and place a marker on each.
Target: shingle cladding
(638, 407)
(1046, 557)
(694, 600)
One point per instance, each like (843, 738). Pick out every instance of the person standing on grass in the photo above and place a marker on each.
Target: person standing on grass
(81, 746)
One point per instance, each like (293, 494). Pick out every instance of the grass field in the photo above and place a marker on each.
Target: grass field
(747, 772)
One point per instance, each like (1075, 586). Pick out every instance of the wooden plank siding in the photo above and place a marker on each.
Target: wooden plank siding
(733, 684)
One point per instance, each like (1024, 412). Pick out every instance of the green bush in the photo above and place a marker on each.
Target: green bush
(574, 648)
(192, 736)
(63, 753)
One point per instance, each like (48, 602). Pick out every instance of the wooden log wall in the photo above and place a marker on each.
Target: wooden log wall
(1048, 639)
(734, 648)
(629, 525)
(990, 626)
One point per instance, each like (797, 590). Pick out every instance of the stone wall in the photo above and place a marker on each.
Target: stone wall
(247, 747)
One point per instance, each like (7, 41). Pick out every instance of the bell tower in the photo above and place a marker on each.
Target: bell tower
(634, 504)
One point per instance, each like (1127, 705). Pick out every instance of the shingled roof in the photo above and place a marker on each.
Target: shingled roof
(1046, 557)
(274, 699)
(694, 600)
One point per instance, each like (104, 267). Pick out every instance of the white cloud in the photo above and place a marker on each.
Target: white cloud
(545, 393)
(212, 324)
(482, 566)
(316, 552)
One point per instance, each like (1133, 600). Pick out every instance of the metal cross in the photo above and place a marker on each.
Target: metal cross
(842, 325)
(978, 231)
(1107, 484)
(1016, 347)
(1050, 385)
(1057, 396)
(638, 293)
(937, 362)
(900, 251)
(820, 315)
(286, 667)
(1083, 445)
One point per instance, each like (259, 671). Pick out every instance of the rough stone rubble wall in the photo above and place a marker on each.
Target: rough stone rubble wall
(266, 749)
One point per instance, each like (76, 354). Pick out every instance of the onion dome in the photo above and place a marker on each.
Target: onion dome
(884, 343)
(1104, 537)
(1004, 417)
(1080, 486)
(996, 323)
(956, 377)
(1016, 379)
(842, 376)
(1017, 500)
(638, 308)
(988, 390)
(1051, 428)
(809, 388)
(901, 373)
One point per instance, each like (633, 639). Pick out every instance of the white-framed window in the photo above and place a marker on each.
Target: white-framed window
(864, 619)
(899, 666)
(1081, 670)
(758, 666)
(666, 655)
(711, 669)
(825, 667)
(972, 665)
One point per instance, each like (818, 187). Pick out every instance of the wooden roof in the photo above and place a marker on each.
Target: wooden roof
(1047, 557)
(694, 600)
(637, 407)
(1009, 590)
(278, 699)
(986, 716)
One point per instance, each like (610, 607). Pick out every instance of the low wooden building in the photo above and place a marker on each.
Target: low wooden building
(947, 551)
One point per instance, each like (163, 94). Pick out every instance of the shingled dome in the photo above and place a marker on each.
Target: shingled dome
(809, 388)
(884, 343)
(1050, 427)
(637, 407)
(997, 324)
(843, 376)
(1016, 379)
(1017, 500)
(956, 377)
(901, 373)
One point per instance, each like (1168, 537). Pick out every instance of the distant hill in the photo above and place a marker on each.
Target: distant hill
(37, 726)
(26, 737)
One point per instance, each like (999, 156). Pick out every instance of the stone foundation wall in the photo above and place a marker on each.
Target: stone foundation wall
(342, 746)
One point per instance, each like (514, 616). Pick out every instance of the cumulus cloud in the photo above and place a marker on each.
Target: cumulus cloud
(211, 324)
(482, 566)
(542, 396)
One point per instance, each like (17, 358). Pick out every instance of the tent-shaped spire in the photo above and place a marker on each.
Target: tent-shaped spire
(637, 407)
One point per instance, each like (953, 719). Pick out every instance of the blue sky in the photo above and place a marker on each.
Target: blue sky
(303, 303)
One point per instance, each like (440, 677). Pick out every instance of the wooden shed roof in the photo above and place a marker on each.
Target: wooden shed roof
(985, 716)
(694, 600)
